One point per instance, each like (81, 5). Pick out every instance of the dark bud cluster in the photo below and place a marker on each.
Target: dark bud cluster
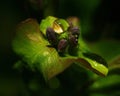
(51, 36)
(62, 45)
(73, 33)
(73, 41)
(74, 30)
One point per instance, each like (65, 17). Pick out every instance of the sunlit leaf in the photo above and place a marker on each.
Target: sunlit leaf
(91, 60)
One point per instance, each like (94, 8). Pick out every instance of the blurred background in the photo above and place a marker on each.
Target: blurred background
(100, 27)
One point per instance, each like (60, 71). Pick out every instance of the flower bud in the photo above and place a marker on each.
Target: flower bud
(75, 30)
(62, 45)
(73, 41)
(51, 36)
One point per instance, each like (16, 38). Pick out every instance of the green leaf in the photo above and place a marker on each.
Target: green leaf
(33, 48)
(28, 41)
(114, 65)
(95, 66)
(63, 23)
(106, 82)
(91, 60)
(45, 23)
(108, 85)
(108, 49)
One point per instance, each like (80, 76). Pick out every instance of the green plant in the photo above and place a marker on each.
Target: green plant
(39, 54)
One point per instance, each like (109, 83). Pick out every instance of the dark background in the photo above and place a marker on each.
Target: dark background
(99, 20)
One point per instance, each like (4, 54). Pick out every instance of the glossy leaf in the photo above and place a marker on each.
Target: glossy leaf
(92, 62)
(63, 24)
